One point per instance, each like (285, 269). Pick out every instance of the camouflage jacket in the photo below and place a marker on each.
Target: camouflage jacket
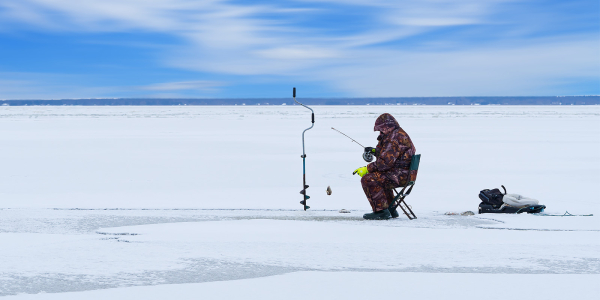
(394, 153)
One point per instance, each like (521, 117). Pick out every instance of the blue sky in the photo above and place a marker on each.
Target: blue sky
(51, 49)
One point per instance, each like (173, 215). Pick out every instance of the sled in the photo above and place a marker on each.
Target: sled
(506, 209)
(494, 202)
(400, 196)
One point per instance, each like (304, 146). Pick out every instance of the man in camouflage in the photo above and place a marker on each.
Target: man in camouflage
(391, 169)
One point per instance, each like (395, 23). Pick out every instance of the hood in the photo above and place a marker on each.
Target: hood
(385, 121)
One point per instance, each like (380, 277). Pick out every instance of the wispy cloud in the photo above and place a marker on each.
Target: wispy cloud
(201, 85)
(25, 85)
(527, 70)
(461, 47)
(63, 86)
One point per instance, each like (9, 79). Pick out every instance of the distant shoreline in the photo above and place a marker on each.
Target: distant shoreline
(520, 100)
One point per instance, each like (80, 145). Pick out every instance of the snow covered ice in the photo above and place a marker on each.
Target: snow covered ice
(202, 202)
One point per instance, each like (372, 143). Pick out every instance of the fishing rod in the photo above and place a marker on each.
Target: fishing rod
(348, 137)
(304, 185)
(367, 154)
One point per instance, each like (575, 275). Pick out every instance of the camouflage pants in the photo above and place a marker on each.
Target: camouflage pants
(378, 190)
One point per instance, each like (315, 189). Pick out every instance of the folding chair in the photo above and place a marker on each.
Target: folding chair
(399, 197)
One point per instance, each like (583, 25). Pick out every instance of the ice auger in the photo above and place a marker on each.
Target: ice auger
(304, 185)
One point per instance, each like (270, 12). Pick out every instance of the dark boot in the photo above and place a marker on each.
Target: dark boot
(394, 212)
(389, 195)
(378, 215)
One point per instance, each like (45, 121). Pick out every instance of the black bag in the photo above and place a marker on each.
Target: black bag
(492, 197)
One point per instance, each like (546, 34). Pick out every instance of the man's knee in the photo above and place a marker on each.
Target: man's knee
(366, 179)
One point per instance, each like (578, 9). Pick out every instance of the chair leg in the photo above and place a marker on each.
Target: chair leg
(399, 200)
(406, 213)
(405, 208)
(411, 215)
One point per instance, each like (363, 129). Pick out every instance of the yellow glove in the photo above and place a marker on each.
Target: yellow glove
(361, 171)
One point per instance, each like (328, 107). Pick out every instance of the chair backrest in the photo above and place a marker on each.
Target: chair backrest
(414, 162)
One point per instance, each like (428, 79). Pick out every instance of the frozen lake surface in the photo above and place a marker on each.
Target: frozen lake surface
(188, 202)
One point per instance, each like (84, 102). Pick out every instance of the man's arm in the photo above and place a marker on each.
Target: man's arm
(387, 157)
